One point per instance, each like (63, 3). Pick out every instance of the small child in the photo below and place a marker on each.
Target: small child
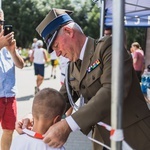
(47, 109)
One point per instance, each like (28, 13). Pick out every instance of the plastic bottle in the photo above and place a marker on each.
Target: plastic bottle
(144, 84)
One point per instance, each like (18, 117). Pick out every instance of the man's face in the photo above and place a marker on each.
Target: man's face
(64, 46)
(1, 21)
(107, 32)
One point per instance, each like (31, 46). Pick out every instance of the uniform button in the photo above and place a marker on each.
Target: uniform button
(93, 77)
(73, 87)
(83, 87)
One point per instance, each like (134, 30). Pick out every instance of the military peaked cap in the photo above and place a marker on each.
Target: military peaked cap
(50, 25)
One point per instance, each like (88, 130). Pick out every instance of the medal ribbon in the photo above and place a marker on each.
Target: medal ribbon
(33, 134)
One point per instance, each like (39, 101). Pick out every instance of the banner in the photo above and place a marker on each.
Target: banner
(137, 13)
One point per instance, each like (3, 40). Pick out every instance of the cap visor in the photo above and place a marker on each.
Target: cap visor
(50, 41)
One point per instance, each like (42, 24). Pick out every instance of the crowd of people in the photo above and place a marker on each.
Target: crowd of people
(39, 56)
(89, 76)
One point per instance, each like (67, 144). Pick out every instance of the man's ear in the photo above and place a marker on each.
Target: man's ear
(56, 119)
(68, 31)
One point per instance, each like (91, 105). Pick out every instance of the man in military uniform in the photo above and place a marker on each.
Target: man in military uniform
(92, 80)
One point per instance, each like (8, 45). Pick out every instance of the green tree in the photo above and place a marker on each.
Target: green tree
(87, 16)
(136, 34)
(25, 15)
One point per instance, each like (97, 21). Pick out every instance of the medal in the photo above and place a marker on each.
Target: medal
(93, 66)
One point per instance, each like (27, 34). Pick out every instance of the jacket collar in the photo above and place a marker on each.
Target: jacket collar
(89, 51)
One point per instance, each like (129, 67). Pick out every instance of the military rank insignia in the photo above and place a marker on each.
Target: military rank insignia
(93, 66)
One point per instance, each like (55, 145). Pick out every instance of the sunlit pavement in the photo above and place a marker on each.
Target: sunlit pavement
(26, 83)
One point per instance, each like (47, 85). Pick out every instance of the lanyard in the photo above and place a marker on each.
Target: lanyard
(33, 134)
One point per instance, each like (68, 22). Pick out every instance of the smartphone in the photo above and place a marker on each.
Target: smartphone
(7, 29)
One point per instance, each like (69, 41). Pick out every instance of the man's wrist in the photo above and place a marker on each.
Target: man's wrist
(72, 124)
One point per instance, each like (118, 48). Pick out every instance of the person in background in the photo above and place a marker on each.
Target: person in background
(30, 51)
(47, 109)
(39, 58)
(19, 49)
(138, 59)
(145, 83)
(27, 58)
(90, 77)
(34, 44)
(9, 59)
(107, 31)
(54, 64)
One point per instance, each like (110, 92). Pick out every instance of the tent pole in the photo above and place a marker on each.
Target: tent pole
(117, 69)
(0, 3)
(102, 17)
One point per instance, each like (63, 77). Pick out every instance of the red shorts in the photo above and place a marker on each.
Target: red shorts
(8, 112)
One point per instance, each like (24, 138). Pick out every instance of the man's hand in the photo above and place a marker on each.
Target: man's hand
(57, 134)
(12, 46)
(6, 40)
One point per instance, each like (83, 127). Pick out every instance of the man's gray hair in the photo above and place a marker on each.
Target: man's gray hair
(75, 26)
(72, 25)
(1, 12)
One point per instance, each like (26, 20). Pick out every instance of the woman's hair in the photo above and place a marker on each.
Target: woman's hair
(136, 44)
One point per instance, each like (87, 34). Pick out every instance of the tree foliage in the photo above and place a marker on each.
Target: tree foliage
(25, 15)
(136, 35)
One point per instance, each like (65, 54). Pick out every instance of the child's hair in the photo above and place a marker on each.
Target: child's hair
(48, 103)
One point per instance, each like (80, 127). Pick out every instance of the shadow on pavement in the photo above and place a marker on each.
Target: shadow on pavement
(28, 68)
(78, 141)
(46, 78)
(25, 98)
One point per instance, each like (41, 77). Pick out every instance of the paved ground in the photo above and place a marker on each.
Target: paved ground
(26, 84)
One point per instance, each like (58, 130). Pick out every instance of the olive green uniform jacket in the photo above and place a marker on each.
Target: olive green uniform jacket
(94, 83)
